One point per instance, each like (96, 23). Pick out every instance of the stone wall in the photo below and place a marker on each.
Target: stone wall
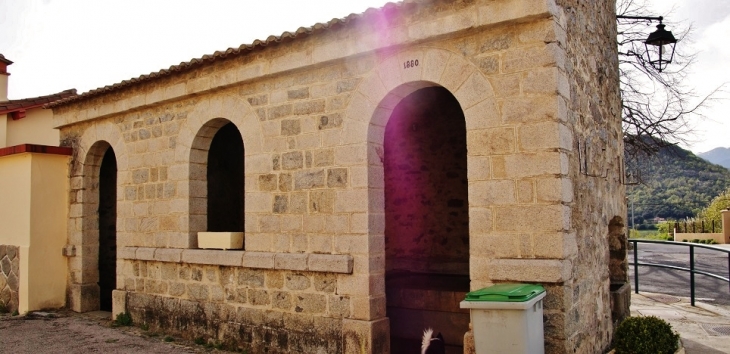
(595, 175)
(314, 114)
(259, 302)
(9, 277)
(253, 309)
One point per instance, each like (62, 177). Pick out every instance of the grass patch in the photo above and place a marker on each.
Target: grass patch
(111, 340)
(168, 339)
(649, 235)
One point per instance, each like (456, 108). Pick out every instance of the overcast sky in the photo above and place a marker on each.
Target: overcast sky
(86, 44)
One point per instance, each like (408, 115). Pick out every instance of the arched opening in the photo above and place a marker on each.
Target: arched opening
(426, 219)
(618, 246)
(107, 229)
(225, 180)
(618, 270)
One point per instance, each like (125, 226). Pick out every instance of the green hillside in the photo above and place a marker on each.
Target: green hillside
(675, 184)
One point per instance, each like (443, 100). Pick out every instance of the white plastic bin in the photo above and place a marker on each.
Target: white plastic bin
(507, 318)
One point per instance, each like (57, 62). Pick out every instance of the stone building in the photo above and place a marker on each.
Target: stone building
(381, 166)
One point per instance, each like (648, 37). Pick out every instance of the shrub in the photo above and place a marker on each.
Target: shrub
(123, 319)
(638, 335)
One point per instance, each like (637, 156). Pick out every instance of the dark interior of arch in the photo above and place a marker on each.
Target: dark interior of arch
(107, 229)
(226, 180)
(427, 219)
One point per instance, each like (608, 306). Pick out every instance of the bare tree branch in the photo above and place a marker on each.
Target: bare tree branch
(656, 106)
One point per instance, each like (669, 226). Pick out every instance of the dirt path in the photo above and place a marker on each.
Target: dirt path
(68, 332)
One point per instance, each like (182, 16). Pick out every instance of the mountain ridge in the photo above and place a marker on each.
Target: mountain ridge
(719, 156)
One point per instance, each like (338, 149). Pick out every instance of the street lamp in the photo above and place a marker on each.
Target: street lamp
(656, 51)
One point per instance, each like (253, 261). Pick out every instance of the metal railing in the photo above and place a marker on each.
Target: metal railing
(695, 227)
(692, 271)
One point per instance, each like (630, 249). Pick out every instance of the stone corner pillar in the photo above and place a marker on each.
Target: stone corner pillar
(83, 297)
(119, 302)
(362, 336)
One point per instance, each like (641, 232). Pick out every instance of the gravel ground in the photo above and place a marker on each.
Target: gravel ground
(69, 332)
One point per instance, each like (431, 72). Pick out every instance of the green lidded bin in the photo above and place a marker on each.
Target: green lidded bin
(507, 318)
(506, 293)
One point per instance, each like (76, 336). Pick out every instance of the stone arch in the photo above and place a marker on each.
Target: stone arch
(375, 98)
(94, 221)
(230, 107)
(193, 141)
(90, 149)
(371, 107)
(201, 203)
(100, 132)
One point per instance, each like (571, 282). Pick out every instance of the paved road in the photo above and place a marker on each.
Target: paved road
(675, 282)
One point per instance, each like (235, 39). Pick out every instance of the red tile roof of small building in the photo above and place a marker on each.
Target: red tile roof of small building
(28, 103)
(39, 149)
(241, 50)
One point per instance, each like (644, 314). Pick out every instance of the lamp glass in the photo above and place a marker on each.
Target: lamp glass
(660, 48)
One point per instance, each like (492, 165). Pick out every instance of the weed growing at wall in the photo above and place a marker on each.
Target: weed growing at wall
(123, 319)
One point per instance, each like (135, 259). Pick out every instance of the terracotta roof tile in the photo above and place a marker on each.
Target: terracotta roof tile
(40, 149)
(241, 50)
(28, 103)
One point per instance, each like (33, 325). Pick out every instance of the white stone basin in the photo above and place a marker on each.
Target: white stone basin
(220, 240)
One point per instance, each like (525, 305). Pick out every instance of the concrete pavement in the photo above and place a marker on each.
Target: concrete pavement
(704, 329)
